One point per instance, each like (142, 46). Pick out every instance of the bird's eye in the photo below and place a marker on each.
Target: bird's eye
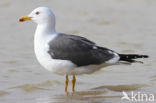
(37, 13)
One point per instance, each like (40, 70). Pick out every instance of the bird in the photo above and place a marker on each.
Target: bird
(67, 54)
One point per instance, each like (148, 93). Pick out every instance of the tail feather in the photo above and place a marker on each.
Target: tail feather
(131, 57)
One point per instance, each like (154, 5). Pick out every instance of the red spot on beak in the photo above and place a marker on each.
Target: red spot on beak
(21, 20)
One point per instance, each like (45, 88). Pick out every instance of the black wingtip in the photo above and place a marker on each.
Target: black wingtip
(145, 56)
(131, 57)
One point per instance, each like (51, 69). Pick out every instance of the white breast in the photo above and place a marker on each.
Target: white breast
(41, 48)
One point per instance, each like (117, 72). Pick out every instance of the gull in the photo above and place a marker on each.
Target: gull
(69, 55)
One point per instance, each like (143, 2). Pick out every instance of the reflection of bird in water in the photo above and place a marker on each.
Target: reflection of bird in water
(125, 96)
(66, 54)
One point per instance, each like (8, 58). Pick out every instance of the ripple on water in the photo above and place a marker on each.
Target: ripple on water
(91, 96)
(5, 4)
(33, 87)
(120, 88)
(12, 70)
(2, 93)
(100, 21)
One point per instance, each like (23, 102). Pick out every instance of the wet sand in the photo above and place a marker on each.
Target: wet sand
(126, 26)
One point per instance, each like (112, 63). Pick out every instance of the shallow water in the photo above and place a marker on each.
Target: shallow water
(127, 26)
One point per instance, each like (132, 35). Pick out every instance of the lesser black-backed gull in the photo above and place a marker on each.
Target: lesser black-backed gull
(66, 54)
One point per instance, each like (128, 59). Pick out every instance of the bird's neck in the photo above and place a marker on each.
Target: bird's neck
(43, 33)
(45, 29)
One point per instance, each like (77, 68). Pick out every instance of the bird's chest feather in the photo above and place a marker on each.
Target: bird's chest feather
(55, 65)
(41, 46)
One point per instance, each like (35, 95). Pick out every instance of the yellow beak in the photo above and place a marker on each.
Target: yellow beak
(24, 18)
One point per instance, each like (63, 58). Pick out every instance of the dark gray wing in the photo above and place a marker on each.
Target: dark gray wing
(79, 50)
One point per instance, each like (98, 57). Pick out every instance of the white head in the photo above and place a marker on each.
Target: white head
(40, 15)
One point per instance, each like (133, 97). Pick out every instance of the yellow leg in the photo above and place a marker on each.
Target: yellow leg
(66, 84)
(73, 83)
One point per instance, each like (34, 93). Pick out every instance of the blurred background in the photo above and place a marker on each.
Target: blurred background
(126, 26)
